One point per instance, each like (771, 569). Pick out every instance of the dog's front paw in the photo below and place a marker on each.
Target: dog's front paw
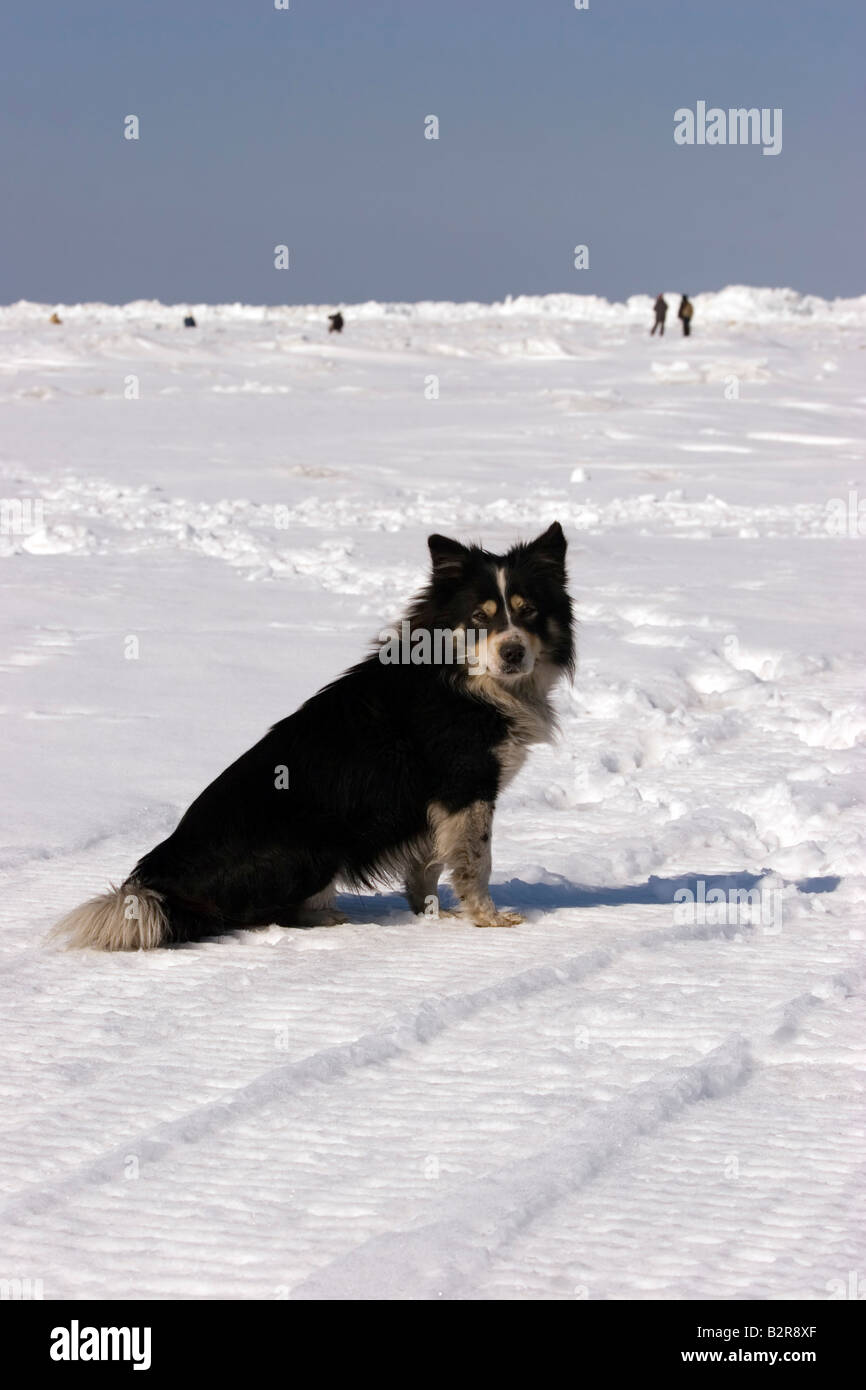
(498, 919)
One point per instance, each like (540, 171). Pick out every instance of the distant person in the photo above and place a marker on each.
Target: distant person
(661, 312)
(335, 322)
(684, 313)
(55, 318)
(189, 322)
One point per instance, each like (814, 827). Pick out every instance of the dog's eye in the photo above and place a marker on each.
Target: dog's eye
(480, 617)
(527, 611)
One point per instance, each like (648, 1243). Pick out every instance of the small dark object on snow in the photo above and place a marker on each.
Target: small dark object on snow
(189, 322)
(335, 322)
(685, 312)
(55, 318)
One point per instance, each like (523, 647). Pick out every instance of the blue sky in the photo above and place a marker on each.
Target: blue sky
(306, 127)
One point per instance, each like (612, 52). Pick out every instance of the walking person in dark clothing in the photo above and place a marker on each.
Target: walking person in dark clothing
(335, 322)
(684, 313)
(661, 310)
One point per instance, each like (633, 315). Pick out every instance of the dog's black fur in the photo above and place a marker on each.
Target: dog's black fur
(391, 769)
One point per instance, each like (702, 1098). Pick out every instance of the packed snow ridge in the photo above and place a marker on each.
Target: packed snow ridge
(734, 304)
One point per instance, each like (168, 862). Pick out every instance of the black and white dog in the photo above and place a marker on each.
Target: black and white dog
(391, 771)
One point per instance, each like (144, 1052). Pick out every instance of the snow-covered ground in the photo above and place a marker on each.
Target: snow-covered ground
(619, 1099)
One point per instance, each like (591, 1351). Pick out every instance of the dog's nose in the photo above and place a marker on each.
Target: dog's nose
(511, 653)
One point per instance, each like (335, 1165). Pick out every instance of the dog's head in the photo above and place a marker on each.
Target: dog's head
(514, 608)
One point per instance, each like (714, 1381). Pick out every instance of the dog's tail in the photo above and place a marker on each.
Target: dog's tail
(128, 918)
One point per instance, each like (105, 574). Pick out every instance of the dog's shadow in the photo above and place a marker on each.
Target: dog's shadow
(560, 893)
(362, 908)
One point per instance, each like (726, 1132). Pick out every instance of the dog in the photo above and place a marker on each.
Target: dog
(392, 771)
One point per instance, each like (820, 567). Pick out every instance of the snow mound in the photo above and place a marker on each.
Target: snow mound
(734, 304)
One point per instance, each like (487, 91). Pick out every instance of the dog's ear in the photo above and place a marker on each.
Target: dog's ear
(448, 556)
(550, 546)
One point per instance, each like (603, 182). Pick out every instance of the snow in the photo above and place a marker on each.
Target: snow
(638, 1093)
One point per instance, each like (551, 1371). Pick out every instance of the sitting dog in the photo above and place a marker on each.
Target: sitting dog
(393, 770)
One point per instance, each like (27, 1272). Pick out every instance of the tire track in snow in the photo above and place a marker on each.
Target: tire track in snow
(429, 1020)
(439, 1258)
(795, 1014)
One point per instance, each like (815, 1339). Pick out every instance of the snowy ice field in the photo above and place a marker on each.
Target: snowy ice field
(614, 1100)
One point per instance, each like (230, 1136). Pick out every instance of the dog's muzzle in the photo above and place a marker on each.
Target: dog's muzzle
(512, 656)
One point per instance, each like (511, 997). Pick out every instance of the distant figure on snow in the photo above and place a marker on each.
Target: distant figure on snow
(55, 318)
(335, 322)
(685, 312)
(661, 311)
(189, 322)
